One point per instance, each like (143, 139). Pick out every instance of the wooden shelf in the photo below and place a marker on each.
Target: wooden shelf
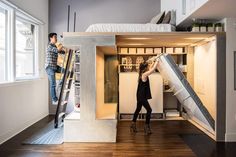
(145, 54)
(177, 53)
(128, 64)
(136, 54)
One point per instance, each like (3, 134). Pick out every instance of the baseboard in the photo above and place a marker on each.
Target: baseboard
(230, 137)
(6, 136)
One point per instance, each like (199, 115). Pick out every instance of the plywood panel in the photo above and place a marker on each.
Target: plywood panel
(190, 66)
(103, 110)
(205, 75)
(99, 81)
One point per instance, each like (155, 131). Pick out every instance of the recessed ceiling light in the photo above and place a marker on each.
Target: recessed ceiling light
(138, 38)
(182, 44)
(195, 38)
(194, 44)
(135, 44)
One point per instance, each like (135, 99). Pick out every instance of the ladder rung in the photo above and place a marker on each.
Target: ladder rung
(77, 72)
(66, 90)
(77, 63)
(65, 102)
(61, 114)
(65, 84)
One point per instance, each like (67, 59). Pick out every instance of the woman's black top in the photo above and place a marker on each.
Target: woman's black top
(143, 91)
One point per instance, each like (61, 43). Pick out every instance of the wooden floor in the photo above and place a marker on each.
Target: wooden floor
(169, 138)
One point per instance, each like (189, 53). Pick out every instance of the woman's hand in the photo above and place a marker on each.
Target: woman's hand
(150, 71)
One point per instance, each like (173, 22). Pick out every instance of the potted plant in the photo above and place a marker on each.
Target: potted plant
(210, 27)
(195, 27)
(218, 27)
(203, 27)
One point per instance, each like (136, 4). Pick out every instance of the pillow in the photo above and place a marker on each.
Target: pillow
(167, 18)
(161, 19)
(173, 17)
(157, 18)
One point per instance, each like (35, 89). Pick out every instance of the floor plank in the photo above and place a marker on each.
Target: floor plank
(169, 138)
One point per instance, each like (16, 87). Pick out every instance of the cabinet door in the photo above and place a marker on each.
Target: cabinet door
(133, 85)
(156, 85)
(127, 92)
(128, 83)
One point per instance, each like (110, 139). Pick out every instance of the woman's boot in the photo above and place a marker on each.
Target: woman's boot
(133, 127)
(147, 129)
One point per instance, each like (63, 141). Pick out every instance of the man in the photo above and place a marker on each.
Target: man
(51, 64)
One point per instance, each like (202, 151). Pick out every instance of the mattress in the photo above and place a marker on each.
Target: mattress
(149, 27)
(184, 93)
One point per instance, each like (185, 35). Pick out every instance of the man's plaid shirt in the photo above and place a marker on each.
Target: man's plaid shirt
(51, 56)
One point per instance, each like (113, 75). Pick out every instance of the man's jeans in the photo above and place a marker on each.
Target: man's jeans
(52, 80)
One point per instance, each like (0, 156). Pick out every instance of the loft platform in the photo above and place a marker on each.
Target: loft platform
(98, 119)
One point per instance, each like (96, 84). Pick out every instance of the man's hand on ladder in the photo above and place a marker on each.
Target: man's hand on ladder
(60, 48)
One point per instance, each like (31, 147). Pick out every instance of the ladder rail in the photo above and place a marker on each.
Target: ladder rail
(68, 93)
(64, 80)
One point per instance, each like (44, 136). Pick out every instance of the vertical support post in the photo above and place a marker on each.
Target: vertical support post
(68, 19)
(74, 21)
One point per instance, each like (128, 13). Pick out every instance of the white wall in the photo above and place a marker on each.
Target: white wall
(230, 92)
(205, 75)
(24, 103)
(100, 11)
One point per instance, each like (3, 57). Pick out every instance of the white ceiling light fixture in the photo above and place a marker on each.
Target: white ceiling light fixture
(195, 38)
(140, 38)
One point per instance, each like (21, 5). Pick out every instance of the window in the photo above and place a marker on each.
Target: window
(25, 48)
(3, 39)
(18, 44)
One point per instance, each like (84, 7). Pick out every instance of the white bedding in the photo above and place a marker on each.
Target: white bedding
(131, 28)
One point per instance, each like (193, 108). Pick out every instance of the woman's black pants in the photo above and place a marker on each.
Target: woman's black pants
(146, 105)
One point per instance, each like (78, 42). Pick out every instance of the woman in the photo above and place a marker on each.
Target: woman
(143, 94)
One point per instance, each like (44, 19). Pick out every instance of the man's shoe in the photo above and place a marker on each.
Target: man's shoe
(55, 102)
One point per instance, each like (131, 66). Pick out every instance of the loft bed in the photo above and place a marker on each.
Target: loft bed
(185, 93)
(163, 22)
(149, 27)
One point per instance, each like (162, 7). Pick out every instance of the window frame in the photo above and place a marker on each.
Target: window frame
(13, 12)
(6, 42)
(35, 53)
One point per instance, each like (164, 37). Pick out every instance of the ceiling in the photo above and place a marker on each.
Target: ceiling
(215, 10)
